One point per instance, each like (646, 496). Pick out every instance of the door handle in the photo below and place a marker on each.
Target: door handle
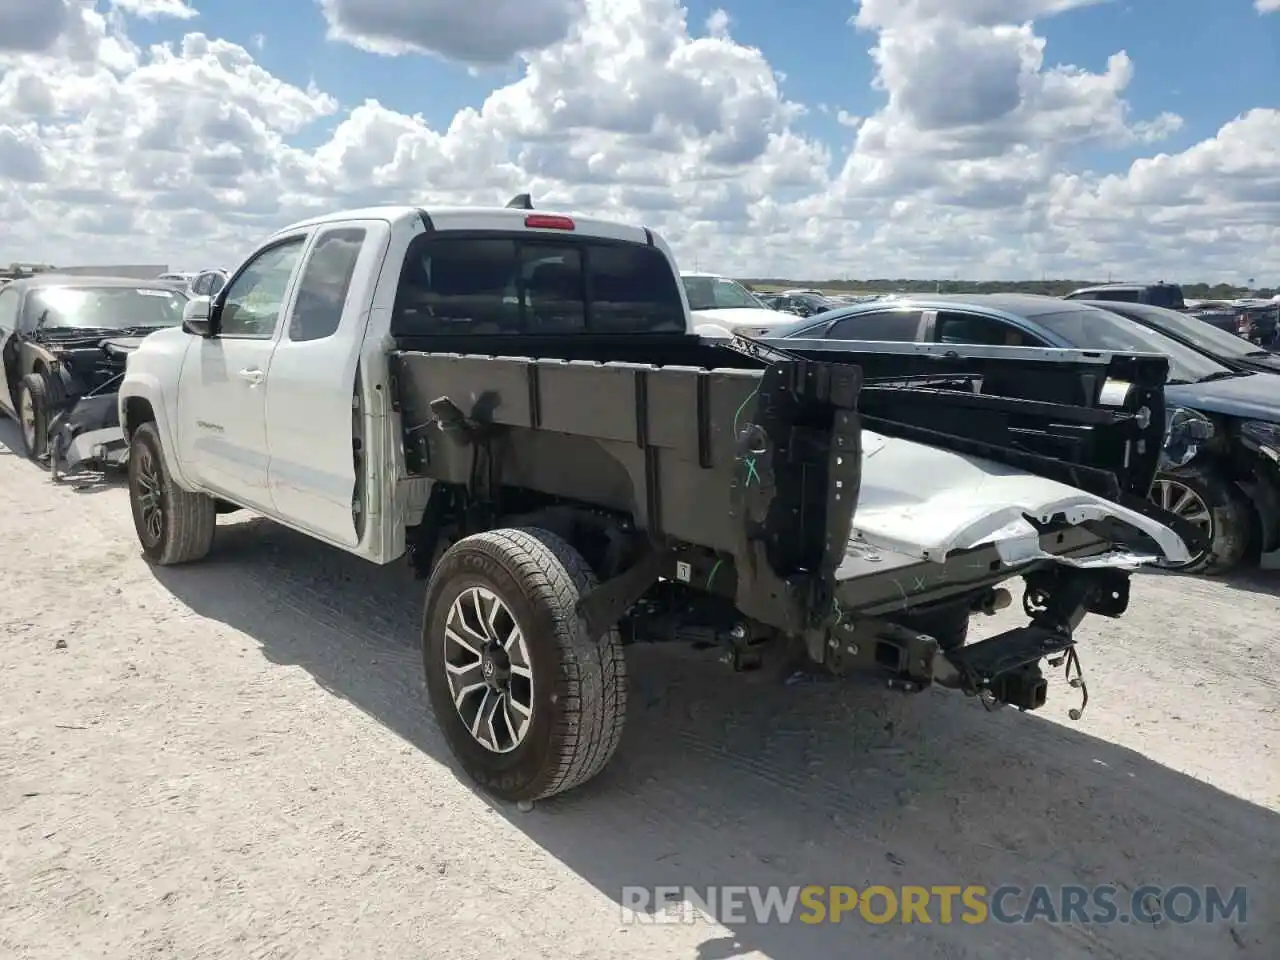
(252, 375)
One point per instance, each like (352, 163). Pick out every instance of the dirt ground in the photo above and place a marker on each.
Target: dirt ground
(235, 760)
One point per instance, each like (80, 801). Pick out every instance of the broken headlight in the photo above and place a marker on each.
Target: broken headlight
(1185, 430)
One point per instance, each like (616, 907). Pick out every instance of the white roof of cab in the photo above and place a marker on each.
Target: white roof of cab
(481, 218)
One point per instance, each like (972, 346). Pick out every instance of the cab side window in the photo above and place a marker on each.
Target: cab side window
(971, 329)
(326, 280)
(256, 296)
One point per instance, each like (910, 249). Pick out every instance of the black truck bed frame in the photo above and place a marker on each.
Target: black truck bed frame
(742, 468)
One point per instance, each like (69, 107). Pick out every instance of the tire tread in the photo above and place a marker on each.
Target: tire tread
(192, 517)
(591, 687)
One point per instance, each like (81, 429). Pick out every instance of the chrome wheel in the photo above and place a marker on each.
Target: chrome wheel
(488, 669)
(148, 494)
(1180, 499)
(27, 417)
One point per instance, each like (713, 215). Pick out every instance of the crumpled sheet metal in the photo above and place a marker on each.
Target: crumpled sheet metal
(927, 502)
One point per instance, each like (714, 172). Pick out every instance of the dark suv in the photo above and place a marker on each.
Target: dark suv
(1167, 295)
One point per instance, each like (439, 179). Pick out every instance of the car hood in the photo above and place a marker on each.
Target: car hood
(742, 317)
(1254, 396)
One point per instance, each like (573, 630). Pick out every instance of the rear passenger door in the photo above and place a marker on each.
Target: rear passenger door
(313, 417)
(895, 326)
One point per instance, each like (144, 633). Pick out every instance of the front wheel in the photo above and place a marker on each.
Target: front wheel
(33, 415)
(173, 524)
(529, 703)
(1205, 497)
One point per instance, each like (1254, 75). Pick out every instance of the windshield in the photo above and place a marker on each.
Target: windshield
(1201, 332)
(717, 293)
(110, 308)
(1102, 330)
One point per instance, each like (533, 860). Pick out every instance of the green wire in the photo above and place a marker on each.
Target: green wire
(714, 570)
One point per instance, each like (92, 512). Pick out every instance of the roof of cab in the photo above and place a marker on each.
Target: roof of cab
(481, 218)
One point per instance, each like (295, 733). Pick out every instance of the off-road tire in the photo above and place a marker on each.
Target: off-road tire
(36, 386)
(1232, 525)
(579, 684)
(187, 519)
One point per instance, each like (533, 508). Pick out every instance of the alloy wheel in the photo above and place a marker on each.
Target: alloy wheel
(488, 669)
(149, 494)
(1183, 501)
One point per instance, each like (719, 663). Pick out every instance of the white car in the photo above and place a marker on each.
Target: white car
(721, 307)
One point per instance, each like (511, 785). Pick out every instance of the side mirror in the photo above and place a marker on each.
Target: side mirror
(197, 317)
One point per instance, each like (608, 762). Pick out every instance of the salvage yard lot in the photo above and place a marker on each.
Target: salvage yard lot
(236, 759)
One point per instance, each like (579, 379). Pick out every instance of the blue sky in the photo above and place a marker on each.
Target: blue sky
(1009, 149)
(1208, 62)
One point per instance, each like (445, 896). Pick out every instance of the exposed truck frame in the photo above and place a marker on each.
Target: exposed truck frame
(658, 447)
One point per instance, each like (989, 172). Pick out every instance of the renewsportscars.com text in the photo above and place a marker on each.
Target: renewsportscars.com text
(939, 904)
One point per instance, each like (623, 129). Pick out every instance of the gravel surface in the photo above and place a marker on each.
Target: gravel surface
(235, 759)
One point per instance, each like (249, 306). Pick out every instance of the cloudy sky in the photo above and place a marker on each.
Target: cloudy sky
(921, 138)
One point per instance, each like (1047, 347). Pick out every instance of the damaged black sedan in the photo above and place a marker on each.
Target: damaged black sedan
(64, 342)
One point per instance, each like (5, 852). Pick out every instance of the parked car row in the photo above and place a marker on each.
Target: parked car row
(65, 339)
(1257, 321)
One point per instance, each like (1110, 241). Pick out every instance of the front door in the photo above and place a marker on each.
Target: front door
(222, 393)
(313, 419)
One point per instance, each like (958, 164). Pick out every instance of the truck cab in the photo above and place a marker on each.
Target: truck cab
(276, 395)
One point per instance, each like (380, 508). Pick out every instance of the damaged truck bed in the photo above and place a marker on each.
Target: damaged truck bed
(853, 507)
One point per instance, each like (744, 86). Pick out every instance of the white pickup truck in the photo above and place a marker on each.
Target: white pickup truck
(516, 401)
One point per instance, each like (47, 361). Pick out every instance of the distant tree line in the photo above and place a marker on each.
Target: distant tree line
(1049, 288)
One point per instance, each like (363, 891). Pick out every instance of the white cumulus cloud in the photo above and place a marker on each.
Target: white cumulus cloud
(188, 152)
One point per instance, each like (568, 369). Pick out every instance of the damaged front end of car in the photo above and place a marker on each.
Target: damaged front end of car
(84, 428)
(86, 434)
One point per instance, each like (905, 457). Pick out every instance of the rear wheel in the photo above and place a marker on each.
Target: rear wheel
(1205, 497)
(529, 703)
(173, 525)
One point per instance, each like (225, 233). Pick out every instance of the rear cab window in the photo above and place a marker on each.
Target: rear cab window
(477, 284)
(1167, 296)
